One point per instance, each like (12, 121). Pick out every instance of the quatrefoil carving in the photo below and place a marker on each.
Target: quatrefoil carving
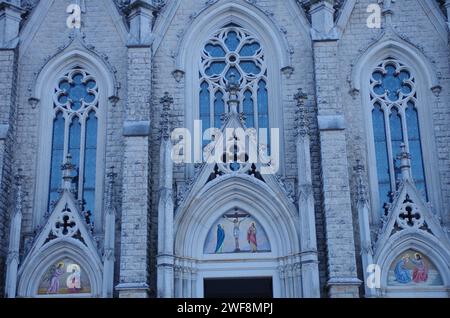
(65, 224)
(409, 217)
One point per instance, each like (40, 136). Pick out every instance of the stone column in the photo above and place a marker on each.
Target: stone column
(165, 257)
(14, 241)
(363, 208)
(194, 277)
(136, 198)
(178, 282)
(342, 276)
(110, 233)
(10, 18)
(308, 238)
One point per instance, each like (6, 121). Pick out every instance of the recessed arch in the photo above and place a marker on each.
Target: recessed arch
(227, 193)
(217, 16)
(276, 52)
(280, 263)
(73, 57)
(423, 243)
(33, 269)
(398, 48)
(426, 85)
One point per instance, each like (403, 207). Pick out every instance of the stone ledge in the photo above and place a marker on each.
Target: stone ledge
(132, 286)
(331, 122)
(136, 128)
(344, 281)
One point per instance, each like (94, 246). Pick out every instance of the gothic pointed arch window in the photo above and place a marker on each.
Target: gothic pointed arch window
(76, 115)
(395, 121)
(234, 55)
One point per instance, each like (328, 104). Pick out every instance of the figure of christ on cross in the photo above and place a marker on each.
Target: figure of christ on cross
(236, 218)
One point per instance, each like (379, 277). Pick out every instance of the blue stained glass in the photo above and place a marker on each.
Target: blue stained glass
(219, 109)
(62, 99)
(250, 68)
(90, 160)
(406, 89)
(249, 109)
(234, 58)
(404, 75)
(74, 145)
(215, 50)
(235, 166)
(56, 158)
(396, 137)
(378, 76)
(216, 68)
(78, 79)
(91, 84)
(89, 98)
(415, 148)
(249, 49)
(64, 85)
(392, 83)
(381, 153)
(205, 111)
(77, 91)
(235, 72)
(232, 41)
(263, 109)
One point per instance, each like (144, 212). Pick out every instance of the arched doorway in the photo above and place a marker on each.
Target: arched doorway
(63, 269)
(414, 266)
(236, 231)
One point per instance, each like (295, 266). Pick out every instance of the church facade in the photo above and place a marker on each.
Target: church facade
(219, 148)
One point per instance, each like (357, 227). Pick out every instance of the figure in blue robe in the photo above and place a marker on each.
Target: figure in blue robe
(220, 238)
(402, 274)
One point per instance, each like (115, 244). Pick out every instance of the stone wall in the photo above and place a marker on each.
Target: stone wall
(8, 79)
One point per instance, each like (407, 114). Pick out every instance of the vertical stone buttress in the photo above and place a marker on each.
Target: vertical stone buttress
(308, 238)
(342, 276)
(165, 258)
(10, 17)
(136, 202)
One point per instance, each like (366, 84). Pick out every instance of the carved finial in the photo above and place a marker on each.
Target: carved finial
(111, 175)
(301, 114)
(111, 182)
(388, 12)
(166, 102)
(361, 189)
(18, 178)
(405, 163)
(67, 169)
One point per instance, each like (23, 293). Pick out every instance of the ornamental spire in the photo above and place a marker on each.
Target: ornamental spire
(232, 89)
(67, 169)
(405, 163)
(111, 182)
(19, 195)
(301, 114)
(361, 190)
(166, 102)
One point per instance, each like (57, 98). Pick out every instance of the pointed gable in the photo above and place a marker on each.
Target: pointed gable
(227, 159)
(65, 235)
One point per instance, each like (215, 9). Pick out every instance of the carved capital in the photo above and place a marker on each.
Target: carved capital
(12, 256)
